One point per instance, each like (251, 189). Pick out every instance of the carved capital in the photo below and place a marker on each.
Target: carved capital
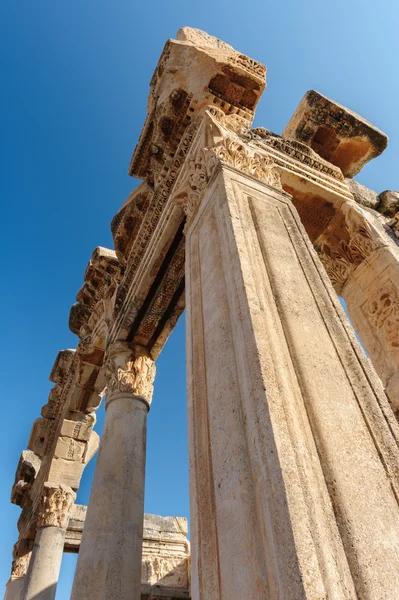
(55, 506)
(20, 565)
(129, 371)
(218, 143)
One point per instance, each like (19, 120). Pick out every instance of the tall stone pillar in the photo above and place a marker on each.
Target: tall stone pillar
(294, 462)
(109, 563)
(18, 572)
(45, 563)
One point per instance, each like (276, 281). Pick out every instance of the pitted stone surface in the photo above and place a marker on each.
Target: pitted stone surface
(336, 133)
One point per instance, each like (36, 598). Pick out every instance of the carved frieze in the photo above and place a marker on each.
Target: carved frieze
(218, 143)
(129, 371)
(102, 276)
(55, 506)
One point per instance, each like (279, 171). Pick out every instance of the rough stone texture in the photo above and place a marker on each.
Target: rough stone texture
(388, 203)
(283, 485)
(66, 471)
(336, 133)
(362, 194)
(165, 559)
(165, 554)
(28, 468)
(78, 426)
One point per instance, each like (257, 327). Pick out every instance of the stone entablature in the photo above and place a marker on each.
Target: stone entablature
(166, 549)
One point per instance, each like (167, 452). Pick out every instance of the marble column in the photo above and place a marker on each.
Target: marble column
(18, 572)
(109, 563)
(294, 461)
(45, 563)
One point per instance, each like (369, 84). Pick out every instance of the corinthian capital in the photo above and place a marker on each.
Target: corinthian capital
(55, 506)
(130, 371)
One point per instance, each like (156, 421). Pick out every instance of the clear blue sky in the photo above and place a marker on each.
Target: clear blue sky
(74, 86)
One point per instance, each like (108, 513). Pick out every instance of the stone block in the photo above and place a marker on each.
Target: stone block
(69, 449)
(388, 203)
(27, 469)
(362, 194)
(67, 472)
(38, 436)
(91, 447)
(336, 133)
(79, 426)
(61, 367)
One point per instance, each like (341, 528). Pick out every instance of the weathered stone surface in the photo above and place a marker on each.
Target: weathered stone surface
(91, 447)
(38, 436)
(28, 467)
(78, 426)
(101, 278)
(362, 194)
(61, 367)
(336, 133)
(278, 489)
(69, 449)
(165, 558)
(64, 471)
(110, 540)
(194, 70)
(40, 582)
(388, 203)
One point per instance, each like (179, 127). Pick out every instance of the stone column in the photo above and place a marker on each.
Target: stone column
(294, 462)
(44, 566)
(109, 563)
(18, 572)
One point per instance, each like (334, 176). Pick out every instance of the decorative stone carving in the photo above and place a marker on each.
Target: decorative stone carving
(101, 277)
(20, 565)
(217, 144)
(126, 223)
(55, 506)
(383, 312)
(342, 255)
(388, 203)
(129, 371)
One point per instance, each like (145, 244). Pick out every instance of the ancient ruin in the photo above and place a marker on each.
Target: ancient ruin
(293, 431)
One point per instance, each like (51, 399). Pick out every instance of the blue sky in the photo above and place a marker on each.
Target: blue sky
(74, 86)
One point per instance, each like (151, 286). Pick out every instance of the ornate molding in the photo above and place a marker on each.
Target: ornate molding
(129, 371)
(55, 506)
(219, 144)
(342, 258)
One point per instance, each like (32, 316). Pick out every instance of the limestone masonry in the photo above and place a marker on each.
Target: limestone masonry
(293, 432)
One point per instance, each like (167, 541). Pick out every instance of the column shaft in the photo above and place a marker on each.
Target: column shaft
(293, 446)
(14, 588)
(45, 563)
(109, 563)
